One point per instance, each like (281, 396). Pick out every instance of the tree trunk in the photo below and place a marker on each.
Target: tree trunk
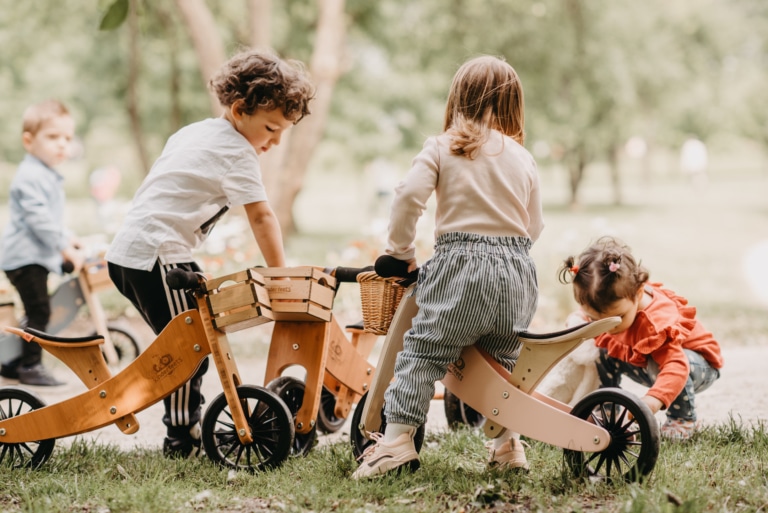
(576, 167)
(325, 68)
(261, 23)
(207, 41)
(134, 64)
(174, 85)
(613, 168)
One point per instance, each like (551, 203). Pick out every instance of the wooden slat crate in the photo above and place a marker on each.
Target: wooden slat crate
(238, 301)
(96, 275)
(306, 295)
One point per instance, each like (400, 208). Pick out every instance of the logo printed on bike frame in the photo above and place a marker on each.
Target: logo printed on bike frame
(456, 367)
(335, 351)
(165, 366)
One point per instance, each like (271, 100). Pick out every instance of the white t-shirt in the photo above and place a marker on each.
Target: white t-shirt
(204, 169)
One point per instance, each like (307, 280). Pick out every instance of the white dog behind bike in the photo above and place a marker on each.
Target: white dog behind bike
(575, 375)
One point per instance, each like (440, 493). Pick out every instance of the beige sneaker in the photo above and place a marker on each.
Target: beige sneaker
(511, 455)
(381, 458)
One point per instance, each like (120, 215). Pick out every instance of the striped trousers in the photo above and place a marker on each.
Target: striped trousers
(474, 289)
(158, 304)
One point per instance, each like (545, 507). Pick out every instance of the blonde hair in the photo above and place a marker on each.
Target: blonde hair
(485, 94)
(603, 273)
(35, 116)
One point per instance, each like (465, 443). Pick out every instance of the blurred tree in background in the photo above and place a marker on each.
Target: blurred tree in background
(596, 73)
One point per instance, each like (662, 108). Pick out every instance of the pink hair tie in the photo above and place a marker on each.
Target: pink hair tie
(614, 266)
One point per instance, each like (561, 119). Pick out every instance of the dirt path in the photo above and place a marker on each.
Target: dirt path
(739, 393)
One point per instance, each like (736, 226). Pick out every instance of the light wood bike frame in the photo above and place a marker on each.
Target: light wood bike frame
(329, 358)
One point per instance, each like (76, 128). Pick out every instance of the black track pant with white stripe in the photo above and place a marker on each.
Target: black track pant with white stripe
(475, 289)
(158, 304)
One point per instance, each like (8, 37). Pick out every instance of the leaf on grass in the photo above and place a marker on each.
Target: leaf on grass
(123, 472)
(674, 499)
(115, 15)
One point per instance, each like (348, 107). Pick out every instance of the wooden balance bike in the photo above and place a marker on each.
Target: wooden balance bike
(120, 346)
(306, 334)
(609, 435)
(245, 427)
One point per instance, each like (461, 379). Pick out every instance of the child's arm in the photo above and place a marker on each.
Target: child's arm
(673, 374)
(266, 231)
(410, 201)
(653, 403)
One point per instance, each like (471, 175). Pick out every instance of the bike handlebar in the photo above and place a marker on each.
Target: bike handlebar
(349, 274)
(388, 266)
(181, 279)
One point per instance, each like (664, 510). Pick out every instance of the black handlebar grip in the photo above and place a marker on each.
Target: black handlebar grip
(181, 279)
(349, 274)
(67, 267)
(388, 266)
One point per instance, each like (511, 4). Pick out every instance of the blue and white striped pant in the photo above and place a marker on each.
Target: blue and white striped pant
(475, 289)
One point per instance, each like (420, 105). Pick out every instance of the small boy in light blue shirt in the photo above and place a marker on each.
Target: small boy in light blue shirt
(35, 241)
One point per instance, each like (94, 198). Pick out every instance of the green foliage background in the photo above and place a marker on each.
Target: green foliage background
(595, 72)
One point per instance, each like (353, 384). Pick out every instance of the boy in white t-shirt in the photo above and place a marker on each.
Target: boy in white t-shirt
(206, 168)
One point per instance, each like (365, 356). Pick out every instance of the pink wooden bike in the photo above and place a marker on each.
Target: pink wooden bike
(609, 435)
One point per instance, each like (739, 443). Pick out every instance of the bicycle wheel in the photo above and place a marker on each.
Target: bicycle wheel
(457, 413)
(360, 443)
(327, 421)
(291, 391)
(126, 345)
(271, 428)
(16, 401)
(634, 431)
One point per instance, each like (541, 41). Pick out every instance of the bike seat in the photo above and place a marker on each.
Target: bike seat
(582, 331)
(41, 336)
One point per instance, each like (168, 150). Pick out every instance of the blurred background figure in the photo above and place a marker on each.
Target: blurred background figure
(694, 160)
(104, 182)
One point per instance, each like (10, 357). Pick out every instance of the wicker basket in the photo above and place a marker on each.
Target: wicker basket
(380, 297)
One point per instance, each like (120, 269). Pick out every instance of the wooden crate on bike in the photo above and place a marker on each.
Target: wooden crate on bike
(300, 293)
(238, 301)
(96, 275)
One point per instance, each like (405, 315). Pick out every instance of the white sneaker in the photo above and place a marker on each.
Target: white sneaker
(510, 455)
(381, 457)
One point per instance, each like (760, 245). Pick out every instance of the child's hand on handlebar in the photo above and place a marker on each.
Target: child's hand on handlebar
(74, 256)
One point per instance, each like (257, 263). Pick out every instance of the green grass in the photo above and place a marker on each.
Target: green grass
(721, 469)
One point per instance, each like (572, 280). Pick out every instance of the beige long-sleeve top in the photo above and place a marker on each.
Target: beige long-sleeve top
(495, 194)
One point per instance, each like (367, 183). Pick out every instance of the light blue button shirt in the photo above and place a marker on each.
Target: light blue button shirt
(35, 233)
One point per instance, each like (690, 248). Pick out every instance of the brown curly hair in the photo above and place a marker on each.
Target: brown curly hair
(262, 80)
(604, 273)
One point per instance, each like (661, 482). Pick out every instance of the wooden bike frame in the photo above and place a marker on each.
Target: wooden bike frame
(329, 358)
(169, 362)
